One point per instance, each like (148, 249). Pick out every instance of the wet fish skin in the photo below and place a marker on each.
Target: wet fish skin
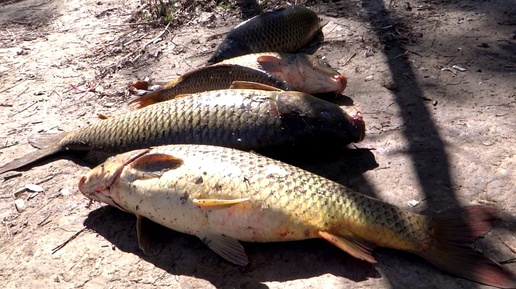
(209, 78)
(224, 195)
(246, 119)
(285, 30)
(304, 72)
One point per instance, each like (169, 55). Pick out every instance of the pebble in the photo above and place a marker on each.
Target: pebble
(369, 78)
(20, 205)
(64, 192)
(413, 203)
(34, 188)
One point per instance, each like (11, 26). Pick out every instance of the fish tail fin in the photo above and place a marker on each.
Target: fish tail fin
(451, 253)
(47, 143)
(145, 100)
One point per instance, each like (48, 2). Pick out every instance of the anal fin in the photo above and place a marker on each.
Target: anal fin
(227, 247)
(355, 248)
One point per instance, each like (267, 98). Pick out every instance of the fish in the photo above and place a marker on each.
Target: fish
(285, 71)
(223, 196)
(304, 72)
(209, 78)
(247, 119)
(284, 30)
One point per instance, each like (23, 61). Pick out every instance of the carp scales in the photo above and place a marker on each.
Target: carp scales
(284, 30)
(209, 78)
(246, 119)
(285, 71)
(304, 72)
(223, 195)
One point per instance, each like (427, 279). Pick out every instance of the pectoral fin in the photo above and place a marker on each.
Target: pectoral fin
(210, 203)
(271, 63)
(356, 248)
(154, 165)
(103, 116)
(252, 85)
(227, 247)
(145, 229)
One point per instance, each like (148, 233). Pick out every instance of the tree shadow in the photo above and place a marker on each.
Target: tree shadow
(30, 13)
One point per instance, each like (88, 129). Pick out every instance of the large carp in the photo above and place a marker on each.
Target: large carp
(301, 72)
(284, 30)
(223, 195)
(209, 78)
(247, 119)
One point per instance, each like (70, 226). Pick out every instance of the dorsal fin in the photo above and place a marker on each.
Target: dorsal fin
(252, 85)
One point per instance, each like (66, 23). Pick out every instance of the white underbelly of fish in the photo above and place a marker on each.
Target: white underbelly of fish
(250, 221)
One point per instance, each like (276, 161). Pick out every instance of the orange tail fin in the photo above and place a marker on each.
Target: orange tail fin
(452, 253)
(145, 100)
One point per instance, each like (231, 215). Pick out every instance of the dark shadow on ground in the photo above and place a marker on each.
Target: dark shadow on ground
(432, 166)
(186, 255)
(248, 8)
(30, 13)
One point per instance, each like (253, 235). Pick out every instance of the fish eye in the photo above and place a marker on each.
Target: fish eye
(325, 114)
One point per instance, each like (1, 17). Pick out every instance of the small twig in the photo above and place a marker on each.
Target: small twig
(349, 59)
(46, 180)
(157, 37)
(8, 145)
(44, 221)
(12, 86)
(68, 241)
(23, 109)
(21, 92)
(92, 88)
(136, 23)
(12, 176)
(413, 52)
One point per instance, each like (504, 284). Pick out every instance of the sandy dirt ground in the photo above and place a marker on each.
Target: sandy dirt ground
(435, 80)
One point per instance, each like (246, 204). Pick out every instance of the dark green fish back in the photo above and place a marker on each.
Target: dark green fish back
(285, 30)
(239, 118)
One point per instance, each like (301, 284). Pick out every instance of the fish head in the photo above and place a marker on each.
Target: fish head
(357, 123)
(318, 76)
(320, 119)
(97, 183)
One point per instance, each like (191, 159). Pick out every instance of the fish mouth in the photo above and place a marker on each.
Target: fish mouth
(99, 193)
(359, 124)
(342, 81)
(319, 83)
(97, 185)
(322, 77)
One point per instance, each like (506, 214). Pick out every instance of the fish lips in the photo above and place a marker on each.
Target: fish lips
(98, 192)
(97, 184)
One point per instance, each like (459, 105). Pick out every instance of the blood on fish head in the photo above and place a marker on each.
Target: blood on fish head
(96, 184)
(318, 76)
